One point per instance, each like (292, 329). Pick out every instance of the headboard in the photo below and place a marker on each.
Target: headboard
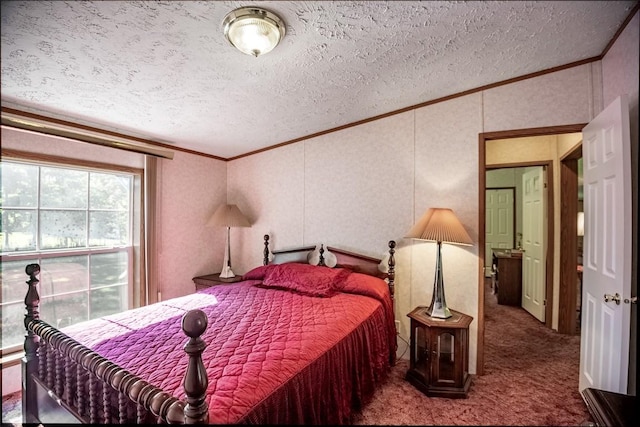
(335, 257)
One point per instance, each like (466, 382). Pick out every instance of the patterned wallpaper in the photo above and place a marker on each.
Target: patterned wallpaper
(360, 187)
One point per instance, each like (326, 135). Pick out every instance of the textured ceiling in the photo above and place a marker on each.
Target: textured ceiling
(164, 71)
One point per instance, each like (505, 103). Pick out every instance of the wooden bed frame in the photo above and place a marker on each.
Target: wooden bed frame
(65, 382)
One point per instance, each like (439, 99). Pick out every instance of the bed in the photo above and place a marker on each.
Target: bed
(305, 338)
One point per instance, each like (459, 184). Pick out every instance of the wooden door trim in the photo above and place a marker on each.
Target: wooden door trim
(482, 168)
(568, 291)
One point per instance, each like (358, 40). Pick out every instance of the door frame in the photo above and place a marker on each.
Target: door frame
(482, 168)
(568, 291)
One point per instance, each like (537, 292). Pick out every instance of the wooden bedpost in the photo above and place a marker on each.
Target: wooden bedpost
(31, 345)
(392, 268)
(195, 383)
(265, 260)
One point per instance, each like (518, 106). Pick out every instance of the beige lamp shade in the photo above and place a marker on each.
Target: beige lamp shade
(440, 225)
(228, 216)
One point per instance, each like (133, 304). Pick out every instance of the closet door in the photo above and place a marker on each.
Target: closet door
(499, 227)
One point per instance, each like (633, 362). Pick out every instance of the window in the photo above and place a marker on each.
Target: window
(79, 225)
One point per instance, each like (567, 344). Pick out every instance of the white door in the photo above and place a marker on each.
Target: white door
(499, 223)
(534, 215)
(605, 326)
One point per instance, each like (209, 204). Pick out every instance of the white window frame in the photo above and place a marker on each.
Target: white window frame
(37, 255)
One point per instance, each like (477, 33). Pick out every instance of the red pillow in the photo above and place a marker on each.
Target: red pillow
(363, 284)
(307, 279)
(257, 273)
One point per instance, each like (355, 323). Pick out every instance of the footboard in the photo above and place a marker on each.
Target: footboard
(66, 382)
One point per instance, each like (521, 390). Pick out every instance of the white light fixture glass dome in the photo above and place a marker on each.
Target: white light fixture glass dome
(253, 30)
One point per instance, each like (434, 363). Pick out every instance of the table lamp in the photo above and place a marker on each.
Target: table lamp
(228, 216)
(439, 225)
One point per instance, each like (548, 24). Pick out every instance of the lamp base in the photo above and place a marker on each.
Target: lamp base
(438, 307)
(226, 273)
(438, 311)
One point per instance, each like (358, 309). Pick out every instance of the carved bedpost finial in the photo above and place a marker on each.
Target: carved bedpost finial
(321, 261)
(31, 345)
(32, 302)
(195, 383)
(392, 267)
(265, 259)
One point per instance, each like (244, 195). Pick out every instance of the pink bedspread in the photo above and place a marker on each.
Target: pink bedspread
(272, 356)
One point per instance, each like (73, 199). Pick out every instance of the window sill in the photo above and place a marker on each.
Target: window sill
(11, 359)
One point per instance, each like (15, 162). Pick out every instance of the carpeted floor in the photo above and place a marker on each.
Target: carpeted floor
(531, 379)
(11, 409)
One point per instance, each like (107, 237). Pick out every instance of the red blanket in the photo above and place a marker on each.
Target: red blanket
(273, 355)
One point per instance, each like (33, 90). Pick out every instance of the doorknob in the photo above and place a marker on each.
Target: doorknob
(609, 298)
(632, 300)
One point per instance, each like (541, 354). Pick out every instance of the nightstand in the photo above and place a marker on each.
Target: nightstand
(439, 361)
(203, 282)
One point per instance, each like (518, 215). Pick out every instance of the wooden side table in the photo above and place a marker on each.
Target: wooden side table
(203, 282)
(611, 409)
(439, 362)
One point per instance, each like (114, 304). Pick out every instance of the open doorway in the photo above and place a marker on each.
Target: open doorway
(526, 156)
(528, 259)
(519, 202)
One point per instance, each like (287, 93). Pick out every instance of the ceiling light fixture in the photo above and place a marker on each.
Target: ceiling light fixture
(253, 30)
